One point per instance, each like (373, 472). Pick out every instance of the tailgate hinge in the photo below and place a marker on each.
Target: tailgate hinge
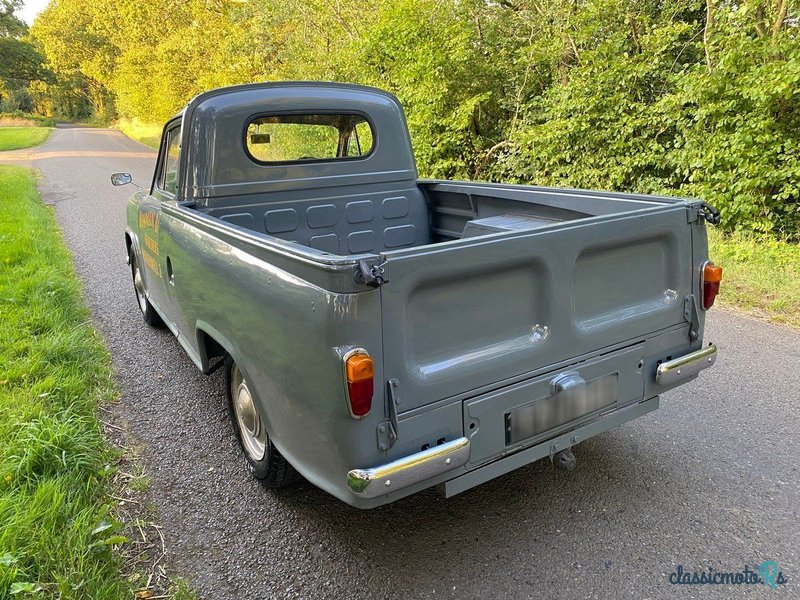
(692, 315)
(704, 210)
(371, 275)
(387, 430)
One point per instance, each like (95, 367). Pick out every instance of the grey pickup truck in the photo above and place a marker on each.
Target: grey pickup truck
(381, 334)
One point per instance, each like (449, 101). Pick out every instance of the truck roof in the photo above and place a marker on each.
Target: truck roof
(355, 87)
(215, 162)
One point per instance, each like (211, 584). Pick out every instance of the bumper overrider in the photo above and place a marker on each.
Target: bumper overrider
(686, 366)
(417, 467)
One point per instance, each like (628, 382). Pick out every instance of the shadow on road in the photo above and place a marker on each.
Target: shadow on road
(513, 518)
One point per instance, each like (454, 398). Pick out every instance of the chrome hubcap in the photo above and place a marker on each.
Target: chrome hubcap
(251, 428)
(139, 285)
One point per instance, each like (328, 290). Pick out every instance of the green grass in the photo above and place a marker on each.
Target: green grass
(14, 138)
(760, 277)
(148, 134)
(57, 532)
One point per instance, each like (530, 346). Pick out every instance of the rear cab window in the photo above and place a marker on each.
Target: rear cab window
(292, 138)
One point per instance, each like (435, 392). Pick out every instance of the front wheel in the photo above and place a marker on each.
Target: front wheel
(151, 317)
(263, 459)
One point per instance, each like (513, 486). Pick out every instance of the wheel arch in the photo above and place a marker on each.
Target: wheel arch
(211, 344)
(128, 246)
(209, 349)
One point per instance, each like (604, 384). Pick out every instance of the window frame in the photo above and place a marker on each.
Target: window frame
(293, 113)
(163, 155)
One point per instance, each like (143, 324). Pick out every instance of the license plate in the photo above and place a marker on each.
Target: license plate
(561, 408)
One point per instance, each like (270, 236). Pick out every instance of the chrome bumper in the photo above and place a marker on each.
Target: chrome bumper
(686, 366)
(406, 471)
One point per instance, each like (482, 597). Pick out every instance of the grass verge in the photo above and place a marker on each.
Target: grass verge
(66, 531)
(148, 134)
(761, 276)
(14, 138)
(57, 530)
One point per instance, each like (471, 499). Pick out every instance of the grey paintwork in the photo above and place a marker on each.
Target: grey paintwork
(469, 327)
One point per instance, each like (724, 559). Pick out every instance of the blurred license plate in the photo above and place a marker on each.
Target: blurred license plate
(560, 409)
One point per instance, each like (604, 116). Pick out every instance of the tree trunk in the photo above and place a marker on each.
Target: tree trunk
(779, 19)
(707, 32)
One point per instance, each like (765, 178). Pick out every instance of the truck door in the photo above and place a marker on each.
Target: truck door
(152, 226)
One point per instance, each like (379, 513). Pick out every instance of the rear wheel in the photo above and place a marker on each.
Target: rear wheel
(262, 457)
(151, 317)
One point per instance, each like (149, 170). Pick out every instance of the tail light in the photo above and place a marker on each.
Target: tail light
(712, 275)
(360, 375)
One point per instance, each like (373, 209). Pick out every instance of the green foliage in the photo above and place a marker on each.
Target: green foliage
(761, 275)
(73, 37)
(598, 124)
(180, 590)
(10, 24)
(148, 134)
(20, 61)
(433, 55)
(680, 97)
(644, 108)
(15, 99)
(741, 132)
(57, 534)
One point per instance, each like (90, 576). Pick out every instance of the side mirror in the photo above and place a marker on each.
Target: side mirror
(121, 179)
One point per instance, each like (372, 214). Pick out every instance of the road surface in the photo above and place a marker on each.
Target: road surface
(708, 481)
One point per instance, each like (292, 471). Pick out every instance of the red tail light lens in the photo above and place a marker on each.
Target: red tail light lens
(360, 375)
(712, 276)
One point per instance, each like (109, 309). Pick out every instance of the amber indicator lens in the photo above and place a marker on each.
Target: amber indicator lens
(360, 384)
(712, 276)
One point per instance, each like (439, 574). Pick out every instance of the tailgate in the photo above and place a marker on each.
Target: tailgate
(462, 315)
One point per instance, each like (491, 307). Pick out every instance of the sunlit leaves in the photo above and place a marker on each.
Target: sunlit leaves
(639, 96)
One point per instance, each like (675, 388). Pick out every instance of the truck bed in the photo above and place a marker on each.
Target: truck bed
(383, 219)
(501, 280)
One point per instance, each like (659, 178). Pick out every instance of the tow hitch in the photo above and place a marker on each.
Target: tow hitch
(564, 460)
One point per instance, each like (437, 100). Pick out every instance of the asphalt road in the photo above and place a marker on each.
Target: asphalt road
(708, 480)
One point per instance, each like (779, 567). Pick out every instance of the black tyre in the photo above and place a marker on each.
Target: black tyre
(151, 317)
(262, 457)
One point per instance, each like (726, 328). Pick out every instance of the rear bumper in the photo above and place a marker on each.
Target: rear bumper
(447, 464)
(409, 470)
(687, 366)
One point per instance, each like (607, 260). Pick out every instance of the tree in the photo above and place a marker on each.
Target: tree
(685, 97)
(10, 24)
(20, 63)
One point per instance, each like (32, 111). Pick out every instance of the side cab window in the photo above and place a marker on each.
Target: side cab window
(167, 180)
